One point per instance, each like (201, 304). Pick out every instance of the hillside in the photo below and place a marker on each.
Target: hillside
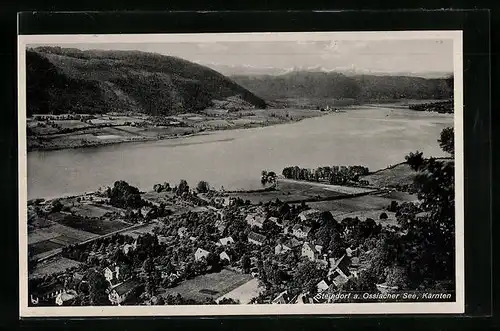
(62, 80)
(302, 84)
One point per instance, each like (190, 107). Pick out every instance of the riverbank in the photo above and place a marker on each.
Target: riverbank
(187, 125)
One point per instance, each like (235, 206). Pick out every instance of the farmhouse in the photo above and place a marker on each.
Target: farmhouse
(226, 241)
(200, 253)
(255, 220)
(221, 225)
(112, 274)
(323, 285)
(309, 215)
(123, 291)
(301, 231)
(309, 251)
(224, 256)
(256, 238)
(340, 271)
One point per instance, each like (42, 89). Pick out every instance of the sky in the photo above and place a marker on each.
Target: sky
(232, 57)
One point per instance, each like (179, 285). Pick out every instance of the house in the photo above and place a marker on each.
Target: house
(309, 251)
(46, 293)
(301, 231)
(221, 225)
(340, 270)
(121, 292)
(224, 256)
(352, 252)
(256, 238)
(255, 220)
(281, 249)
(226, 241)
(112, 274)
(200, 253)
(284, 298)
(129, 247)
(145, 211)
(65, 298)
(182, 232)
(323, 285)
(309, 215)
(384, 288)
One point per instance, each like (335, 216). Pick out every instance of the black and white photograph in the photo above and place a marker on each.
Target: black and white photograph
(241, 173)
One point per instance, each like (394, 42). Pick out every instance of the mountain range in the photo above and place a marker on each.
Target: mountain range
(335, 85)
(63, 80)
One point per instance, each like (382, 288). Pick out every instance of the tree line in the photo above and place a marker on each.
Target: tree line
(339, 175)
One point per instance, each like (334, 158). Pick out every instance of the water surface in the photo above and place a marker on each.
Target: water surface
(374, 137)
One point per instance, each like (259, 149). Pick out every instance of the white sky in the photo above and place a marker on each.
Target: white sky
(390, 56)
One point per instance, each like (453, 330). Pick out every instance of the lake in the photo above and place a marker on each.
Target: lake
(375, 137)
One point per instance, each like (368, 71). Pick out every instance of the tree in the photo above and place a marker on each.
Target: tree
(202, 187)
(183, 187)
(245, 263)
(383, 216)
(447, 140)
(123, 195)
(97, 289)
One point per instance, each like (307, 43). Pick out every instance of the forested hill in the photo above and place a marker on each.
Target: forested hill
(304, 84)
(63, 80)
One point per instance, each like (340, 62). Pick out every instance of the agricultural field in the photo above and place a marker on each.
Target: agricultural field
(96, 226)
(93, 210)
(44, 246)
(352, 205)
(212, 285)
(290, 190)
(60, 264)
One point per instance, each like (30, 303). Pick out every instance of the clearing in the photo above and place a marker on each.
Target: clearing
(212, 285)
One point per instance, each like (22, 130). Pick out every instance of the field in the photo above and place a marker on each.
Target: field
(51, 267)
(89, 225)
(170, 200)
(92, 210)
(141, 230)
(44, 246)
(44, 240)
(351, 205)
(291, 190)
(209, 285)
(245, 292)
(400, 174)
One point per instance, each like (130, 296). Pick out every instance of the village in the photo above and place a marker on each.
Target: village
(182, 245)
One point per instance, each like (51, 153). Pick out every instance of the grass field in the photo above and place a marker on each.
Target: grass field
(245, 292)
(289, 190)
(135, 233)
(400, 174)
(90, 210)
(44, 246)
(209, 285)
(48, 268)
(351, 205)
(89, 225)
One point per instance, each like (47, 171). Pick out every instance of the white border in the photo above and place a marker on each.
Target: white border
(209, 310)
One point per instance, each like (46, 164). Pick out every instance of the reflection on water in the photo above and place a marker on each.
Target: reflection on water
(375, 137)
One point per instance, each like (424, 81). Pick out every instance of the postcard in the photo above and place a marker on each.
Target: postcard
(241, 174)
